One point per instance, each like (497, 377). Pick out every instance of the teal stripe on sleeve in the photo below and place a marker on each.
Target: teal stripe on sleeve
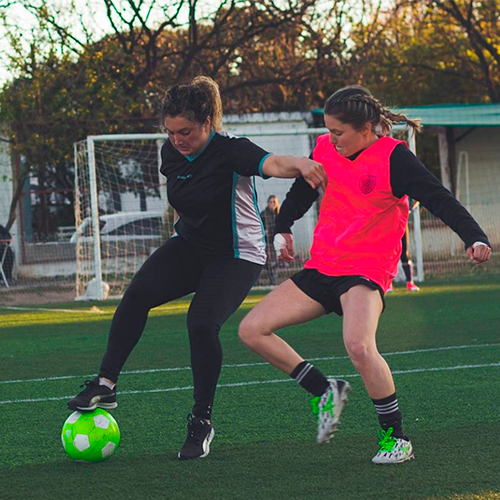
(261, 164)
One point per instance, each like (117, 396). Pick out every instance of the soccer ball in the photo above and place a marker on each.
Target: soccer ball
(91, 436)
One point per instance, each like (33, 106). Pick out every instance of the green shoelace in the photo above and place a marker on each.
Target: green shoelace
(386, 440)
(314, 402)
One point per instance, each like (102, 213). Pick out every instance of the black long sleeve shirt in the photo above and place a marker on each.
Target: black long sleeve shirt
(408, 176)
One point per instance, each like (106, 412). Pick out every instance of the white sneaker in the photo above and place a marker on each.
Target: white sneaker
(328, 408)
(392, 450)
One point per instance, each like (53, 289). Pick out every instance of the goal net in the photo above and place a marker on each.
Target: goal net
(121, 211)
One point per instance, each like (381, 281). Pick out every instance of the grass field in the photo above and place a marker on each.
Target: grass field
(443, 345)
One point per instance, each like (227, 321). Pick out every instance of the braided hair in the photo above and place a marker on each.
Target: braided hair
(196, 101)
(356, 106)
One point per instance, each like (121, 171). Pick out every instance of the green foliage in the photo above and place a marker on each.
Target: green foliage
(436, 51)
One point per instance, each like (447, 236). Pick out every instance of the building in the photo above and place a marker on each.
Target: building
(469, 154)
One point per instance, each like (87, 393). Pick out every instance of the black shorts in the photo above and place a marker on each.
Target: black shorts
(327, 289)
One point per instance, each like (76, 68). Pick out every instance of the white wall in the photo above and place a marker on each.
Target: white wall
(482, 153)
(6, 191)
(300, 145)
(477, 177)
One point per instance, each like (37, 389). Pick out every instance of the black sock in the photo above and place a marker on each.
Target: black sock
(389, 415)
(310, 378)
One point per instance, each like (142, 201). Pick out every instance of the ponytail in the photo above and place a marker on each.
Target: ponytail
(196, 101)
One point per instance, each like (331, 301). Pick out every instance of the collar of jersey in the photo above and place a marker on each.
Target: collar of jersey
(354, 156)
(200, 152)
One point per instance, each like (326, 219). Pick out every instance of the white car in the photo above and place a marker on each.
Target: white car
(123, 226)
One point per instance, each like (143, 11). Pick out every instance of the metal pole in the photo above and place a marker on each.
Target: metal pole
(163, 186)
(77, 221)
(94, 210)
(417, 230)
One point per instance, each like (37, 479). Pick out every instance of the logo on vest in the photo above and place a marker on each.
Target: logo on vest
(367, 183)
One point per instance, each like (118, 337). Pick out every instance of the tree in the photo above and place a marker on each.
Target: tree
(70, 85)
(267, 56)
(479, 23)
(433, 51)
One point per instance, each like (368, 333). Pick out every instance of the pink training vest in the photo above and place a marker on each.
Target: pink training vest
(361, 222)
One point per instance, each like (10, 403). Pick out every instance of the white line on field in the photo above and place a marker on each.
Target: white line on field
(243, 365)
(258, 382)
(73, 311)
(96, 310)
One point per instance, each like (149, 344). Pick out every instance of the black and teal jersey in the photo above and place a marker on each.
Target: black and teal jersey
(214, 194)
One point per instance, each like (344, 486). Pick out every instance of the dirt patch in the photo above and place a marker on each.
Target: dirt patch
(20, 297)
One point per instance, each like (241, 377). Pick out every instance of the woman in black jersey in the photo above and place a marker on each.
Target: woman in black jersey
(217, 251)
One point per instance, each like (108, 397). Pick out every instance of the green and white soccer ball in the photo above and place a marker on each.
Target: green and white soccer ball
(91, 436)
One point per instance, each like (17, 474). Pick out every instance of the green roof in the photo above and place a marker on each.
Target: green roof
(453, 115)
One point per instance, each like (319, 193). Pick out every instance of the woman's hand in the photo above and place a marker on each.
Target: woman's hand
(480, 254)
(313, 172)
(283, 245)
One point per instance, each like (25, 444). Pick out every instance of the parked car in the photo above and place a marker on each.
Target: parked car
(123, 226)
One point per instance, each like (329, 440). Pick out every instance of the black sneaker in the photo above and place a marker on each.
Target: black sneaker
(94, 396)
(200, 435)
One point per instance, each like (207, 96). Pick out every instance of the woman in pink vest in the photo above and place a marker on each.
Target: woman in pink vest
(354, 257)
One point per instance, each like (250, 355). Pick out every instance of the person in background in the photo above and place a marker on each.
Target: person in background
(407, 265)
(268, 216)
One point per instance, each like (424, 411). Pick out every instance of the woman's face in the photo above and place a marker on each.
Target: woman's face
(346, 139)
(272, 204)
(187, 136)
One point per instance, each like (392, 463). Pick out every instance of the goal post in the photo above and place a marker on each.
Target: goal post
(121, 214)
(417, 228)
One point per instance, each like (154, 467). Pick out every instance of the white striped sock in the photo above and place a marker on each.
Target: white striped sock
(387, 408)
(307, 368)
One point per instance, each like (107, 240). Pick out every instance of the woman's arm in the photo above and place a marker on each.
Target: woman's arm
(410, 176)
(288, 166)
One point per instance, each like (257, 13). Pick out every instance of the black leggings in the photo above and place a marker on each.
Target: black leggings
(174, 270)
(405, 257)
